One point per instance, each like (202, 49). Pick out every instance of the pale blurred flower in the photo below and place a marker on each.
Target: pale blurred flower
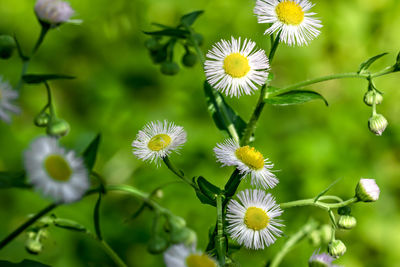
(7, 96)
(53, 12)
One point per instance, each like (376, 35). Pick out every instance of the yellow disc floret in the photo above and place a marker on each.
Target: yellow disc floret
(57, 168)
(236, 65)
(251, 157)
(159, 142)
(199, 260)
(290, 13)
(256, 218)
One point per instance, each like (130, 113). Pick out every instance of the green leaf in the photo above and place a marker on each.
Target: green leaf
(204, 199)
(24, 263)
(232, 184)
(295, 97)
(325, 190)
(13, 179)
(397, 65)
(366, 64)
(208, 188)
(170, 32)
(190, 18)
(69, 225)
(96, 217)
(217, 105)
(40, 78)
(90, 153)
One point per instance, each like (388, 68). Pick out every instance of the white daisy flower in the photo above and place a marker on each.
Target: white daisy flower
(291, 17)
(181, 256)
(157, 140)
(57, 173)
(248, 161)
(7, 95)
(251, 220)
(236, 69)
(53, 12)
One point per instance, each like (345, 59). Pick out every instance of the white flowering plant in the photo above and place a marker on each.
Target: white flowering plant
(247, 219)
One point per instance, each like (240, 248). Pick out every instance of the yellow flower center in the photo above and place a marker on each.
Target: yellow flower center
(289, 12)
(159, 142)
(196, 260)
(57, 168)
(236, 65)
(256, 218)
(251, 157)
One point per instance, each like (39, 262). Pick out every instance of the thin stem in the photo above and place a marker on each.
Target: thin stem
(50, 102)
(40, 40)
(178, 172)
(113, 255)
(220, 238)
(23, 71)
(196, 46)
(334, 198)
(319, 204)
(25, 225)
(293, 240)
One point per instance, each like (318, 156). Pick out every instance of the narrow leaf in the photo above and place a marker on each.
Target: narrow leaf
(69, 225)
(169, 32)
(90, 153)
(204, 199)
(190, 18)
(325, 190)
(13, 179)
(233, 183)
(295, 97)
(217, 105)
(96, 217)
(366, 64)
(39, 78)
(208, 188)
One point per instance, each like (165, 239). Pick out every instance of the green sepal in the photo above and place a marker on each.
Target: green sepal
(13, 179)
(294, 97)
(217, 105)
(190, 18)
(90, 153)
(170, 32)
(366, 64)
(40, 78)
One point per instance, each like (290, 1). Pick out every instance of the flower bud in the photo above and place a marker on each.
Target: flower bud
(367, 190)
(169, 68)
(315, 238)
(157, 244)
(372, 97)
(377, 124)
(346, 210)
(42, 119)
(159, 56)
(152, 44)
(33, 246)
(189, 59)
(184, 235)
(58, 127)
(320, 260)
(336, 248)
(53, 12)
(326, 233)
(7, 46)
(347, 222)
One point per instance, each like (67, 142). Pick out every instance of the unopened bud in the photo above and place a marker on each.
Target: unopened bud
(152, 44)
(53, 12)
(189, 59)
(184, 235)
(347, 222)
(315, 238)
(336, 248)
(372, 97)
(169, 68)
(377, 124)
(157, 244)
(7, 46)
(33, 246)
(58, 127)
(326, 233)
(42, 120)
(367, 190)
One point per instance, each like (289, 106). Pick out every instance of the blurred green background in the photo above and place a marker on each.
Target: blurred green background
(118, 90)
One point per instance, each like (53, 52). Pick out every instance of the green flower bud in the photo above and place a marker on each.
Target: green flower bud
(33, 246)
(346, 210)
(169, 68)
(377, 124)
(58, 127)
(347, 222)
(7, 46)
(189, 59)
(367, 190)
(326, 233)
(152, 44)
(372, 97)
(336, 248)
(184, 235)
(315, 238)
(42, 120)
(159, 56)
(157, 244)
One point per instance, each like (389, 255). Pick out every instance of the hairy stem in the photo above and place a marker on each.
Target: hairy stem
(178, 172)
(220, 238)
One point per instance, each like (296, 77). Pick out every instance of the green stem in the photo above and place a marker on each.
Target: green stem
(319, 204)
(25, 225)
(178, 172)
(334, 198)
(196, 46)
(40, 40)
(50, 102)
(113, 255)
(23, 71)
(293, 240)
(220, 238)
